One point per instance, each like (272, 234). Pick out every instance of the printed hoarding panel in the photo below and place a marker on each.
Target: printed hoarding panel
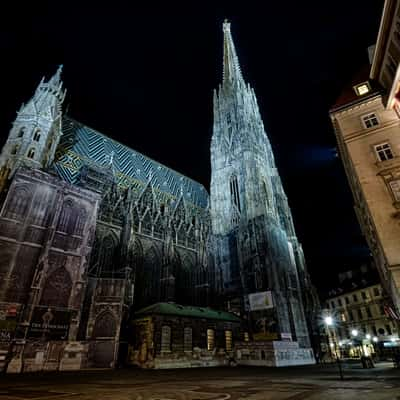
(49, 323)
(260, 301)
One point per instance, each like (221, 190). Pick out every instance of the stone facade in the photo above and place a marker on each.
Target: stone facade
(91, 231)
(365, 117)
(46, 234)
(255, 244)
(373, 177)
(175, 336)
(365, 311)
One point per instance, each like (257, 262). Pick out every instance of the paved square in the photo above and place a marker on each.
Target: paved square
(311, 383)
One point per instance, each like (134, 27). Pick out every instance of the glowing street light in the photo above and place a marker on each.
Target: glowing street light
(354, 332)
(329, 322)
(375, 339)
(368, 336)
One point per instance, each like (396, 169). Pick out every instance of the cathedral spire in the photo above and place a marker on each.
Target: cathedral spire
(55, 80)
(231, 69)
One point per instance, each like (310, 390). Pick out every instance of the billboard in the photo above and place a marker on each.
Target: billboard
(260, 301)
(49, 323)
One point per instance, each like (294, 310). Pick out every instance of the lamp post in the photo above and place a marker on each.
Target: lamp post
(328, 323)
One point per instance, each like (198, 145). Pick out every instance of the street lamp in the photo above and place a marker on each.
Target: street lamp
(368, 336)
(354, 332)
(329, 322)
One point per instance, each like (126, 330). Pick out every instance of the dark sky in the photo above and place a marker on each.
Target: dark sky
(145, 76)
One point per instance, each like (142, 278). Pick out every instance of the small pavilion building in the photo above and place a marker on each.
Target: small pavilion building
(169, 335)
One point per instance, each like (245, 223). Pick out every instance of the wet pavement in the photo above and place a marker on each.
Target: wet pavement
(251, 383)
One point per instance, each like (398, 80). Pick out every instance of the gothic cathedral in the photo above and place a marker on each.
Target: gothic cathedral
(255, 244)
(96, 238)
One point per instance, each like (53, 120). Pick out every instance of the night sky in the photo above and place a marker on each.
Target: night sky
(145, 76)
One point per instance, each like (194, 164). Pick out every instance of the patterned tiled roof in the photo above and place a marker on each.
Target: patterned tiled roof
(81, 145)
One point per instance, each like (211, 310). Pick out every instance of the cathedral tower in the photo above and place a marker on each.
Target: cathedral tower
(256, 249)
(36, 131)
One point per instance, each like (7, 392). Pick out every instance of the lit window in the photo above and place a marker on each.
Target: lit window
(384, 151)
(343, 317)
(228, 340)
(370, 120)
(362, 89)
(246, 336)
(210, 339)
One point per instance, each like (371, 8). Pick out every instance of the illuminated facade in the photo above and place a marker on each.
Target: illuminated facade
(367, 126)
(91, 230)
(255, 244)
(90, 227)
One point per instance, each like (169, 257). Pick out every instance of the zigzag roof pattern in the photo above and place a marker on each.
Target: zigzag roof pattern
(81, 145)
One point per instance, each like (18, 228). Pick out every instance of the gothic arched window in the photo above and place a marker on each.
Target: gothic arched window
(150, 277)
(31, 153)
(81, 221)
(15, 149)
(105, 326)
(21, 132)
(68, 217)
(36, 136)
(18, 203)
(57, 289)
(234, 189)
(106, 254)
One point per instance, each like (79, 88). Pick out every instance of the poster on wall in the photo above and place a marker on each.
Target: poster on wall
(7, 329)
(264, 325)
(49, 323)
(260, 301)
